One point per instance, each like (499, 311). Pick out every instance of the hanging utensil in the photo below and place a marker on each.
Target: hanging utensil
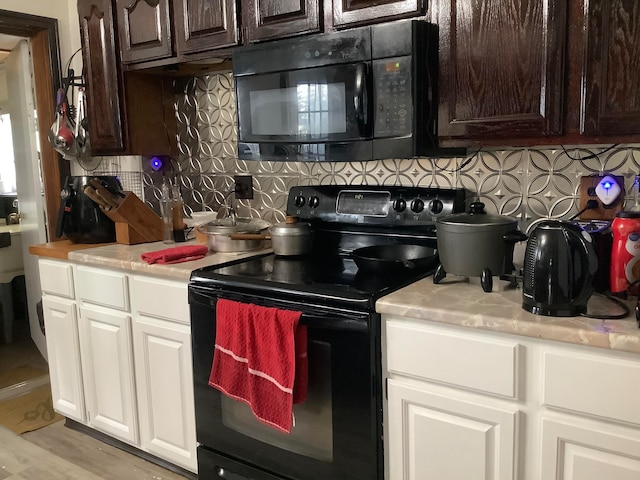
(64, 136)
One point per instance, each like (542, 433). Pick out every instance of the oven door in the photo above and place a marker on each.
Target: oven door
(311, 105)
(337, 430)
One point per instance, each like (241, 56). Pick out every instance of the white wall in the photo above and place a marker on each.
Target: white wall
(4, 95)
(65, 12)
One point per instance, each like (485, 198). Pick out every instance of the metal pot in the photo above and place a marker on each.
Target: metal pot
(290, 238)
(477, 244)
(219, 234)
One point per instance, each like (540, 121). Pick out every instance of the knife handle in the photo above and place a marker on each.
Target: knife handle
(93, 195)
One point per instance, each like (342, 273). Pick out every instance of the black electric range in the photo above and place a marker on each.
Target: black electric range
(338, 430)
(344, 218)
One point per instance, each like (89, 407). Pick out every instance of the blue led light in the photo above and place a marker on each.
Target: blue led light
(607, 185)
(156, 163)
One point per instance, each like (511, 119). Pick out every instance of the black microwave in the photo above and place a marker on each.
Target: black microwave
(362, 94)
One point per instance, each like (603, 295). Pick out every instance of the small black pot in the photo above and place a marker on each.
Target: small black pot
(477, 243)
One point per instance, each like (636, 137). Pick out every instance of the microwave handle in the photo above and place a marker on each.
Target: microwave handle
(360, 99)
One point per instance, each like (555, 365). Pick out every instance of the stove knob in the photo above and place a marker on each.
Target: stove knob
(299, 201)
(436, 206)
(399, 205)
(417, 205)
(314, 201)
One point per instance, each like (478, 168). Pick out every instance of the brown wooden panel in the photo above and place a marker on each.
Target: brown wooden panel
(144, 27)
(268, 19)
(501, 68)
(348, 13)
(150, 114)
(205, 25)
(612, 74)
(54, 168)
(104, 108)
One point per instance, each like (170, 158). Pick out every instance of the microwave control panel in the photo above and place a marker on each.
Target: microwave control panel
(392, 94)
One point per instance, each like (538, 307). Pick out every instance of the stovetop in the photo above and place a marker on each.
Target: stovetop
(323, 279)
(343, 218)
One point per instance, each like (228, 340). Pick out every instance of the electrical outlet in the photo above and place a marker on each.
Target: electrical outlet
(607, 205)
(244, 187)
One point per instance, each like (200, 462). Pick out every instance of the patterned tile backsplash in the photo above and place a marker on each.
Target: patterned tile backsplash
(528, 183)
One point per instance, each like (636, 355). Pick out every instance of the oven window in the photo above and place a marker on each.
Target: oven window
(312, 433)
(306, 109)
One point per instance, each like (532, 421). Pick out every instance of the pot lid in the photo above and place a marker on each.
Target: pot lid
(291, 227)
(477, 217)
(229, 225)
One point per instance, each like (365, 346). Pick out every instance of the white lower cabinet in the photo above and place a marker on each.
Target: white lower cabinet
(165, 391)
(63, 351)
(575, 450)
(107, 366)
(540, 410)
(439, 437)
(119, 349)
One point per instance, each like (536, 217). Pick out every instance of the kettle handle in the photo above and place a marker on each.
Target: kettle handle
(588, 259)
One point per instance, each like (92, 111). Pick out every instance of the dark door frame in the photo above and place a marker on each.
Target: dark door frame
(45, 52)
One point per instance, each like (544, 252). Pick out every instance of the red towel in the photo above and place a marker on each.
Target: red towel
(260, 354)
(185, 253)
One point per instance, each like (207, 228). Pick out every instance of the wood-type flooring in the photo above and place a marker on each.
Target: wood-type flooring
(57, 452)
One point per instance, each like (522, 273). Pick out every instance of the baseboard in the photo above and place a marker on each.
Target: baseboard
(103, 437)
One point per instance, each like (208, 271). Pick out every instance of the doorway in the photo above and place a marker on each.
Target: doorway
(39, 36)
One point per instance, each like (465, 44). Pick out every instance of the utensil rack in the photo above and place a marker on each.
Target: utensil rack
(135, 221)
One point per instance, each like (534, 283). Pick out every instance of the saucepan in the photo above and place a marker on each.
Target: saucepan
(393, 258)
(290, 238)
(220, 232)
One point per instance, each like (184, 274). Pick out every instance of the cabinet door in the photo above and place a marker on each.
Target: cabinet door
(107, 360)
(589, 451)
(360, 12)
(266, 19)
(612, 72)
(63, 351)
(102, 78)
(164, 381)
(145, 29)
(205, 24)
(501, 69)
(433, 436)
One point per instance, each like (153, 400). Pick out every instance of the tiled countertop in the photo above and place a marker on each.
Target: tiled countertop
(457, 302)
(127, 257)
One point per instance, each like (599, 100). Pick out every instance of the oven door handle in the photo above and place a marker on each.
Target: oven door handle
(336, 322)
(315, 318)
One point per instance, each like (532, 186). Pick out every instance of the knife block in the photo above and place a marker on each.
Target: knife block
(135, 221)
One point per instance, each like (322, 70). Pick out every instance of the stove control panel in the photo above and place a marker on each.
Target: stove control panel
(374, 205)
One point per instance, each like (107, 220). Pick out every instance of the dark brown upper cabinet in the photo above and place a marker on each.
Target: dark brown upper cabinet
(269, 19)
(612, 68)
(348, 13)
(102, 77)
(501, 69)
(127, 113)
(202, 25)
(145, 30)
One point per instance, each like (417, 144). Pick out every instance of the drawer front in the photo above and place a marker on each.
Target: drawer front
(486, 365)
(160, 298)
(595, 385)
(56, 278)
(103, 287)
